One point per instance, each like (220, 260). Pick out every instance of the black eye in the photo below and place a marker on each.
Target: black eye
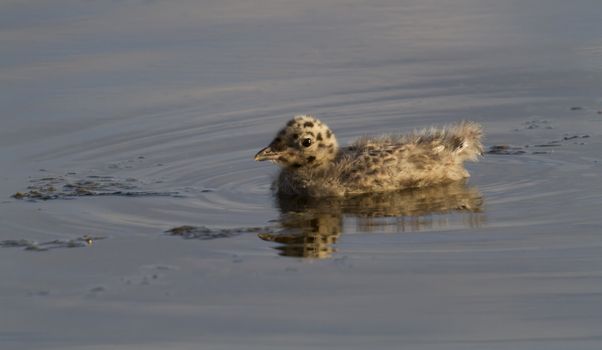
(306, 142)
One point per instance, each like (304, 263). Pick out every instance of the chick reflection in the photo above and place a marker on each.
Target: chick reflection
(311, 226)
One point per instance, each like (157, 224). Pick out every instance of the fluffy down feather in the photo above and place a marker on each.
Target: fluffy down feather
(313, 164)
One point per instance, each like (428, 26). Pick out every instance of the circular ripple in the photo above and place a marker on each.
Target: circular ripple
(209, 159)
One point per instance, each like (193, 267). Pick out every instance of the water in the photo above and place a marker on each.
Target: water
(150, 113)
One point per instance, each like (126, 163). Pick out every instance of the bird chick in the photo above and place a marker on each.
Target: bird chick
(312, 164)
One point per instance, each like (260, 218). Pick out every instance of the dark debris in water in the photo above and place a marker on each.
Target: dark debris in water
(505, 150)
(573, 137)
(63, 187)
(537, 124)
(31, 245)
(516, 150)
(549, 144)
(206, 233)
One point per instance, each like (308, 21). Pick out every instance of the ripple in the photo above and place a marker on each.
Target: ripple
(207, 157)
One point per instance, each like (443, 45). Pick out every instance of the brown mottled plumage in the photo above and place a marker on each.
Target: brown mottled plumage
(313, 164)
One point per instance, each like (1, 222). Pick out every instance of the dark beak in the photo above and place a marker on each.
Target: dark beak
(267, 154)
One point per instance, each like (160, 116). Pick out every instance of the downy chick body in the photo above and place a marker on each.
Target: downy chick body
(312, 164)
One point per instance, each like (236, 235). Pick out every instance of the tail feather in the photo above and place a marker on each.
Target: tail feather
(469, 136)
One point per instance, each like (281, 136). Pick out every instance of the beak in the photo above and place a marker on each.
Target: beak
(266, 154)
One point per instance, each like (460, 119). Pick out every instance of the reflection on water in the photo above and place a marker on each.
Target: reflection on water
(311, 226)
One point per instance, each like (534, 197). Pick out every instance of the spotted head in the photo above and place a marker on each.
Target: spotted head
(305, 142)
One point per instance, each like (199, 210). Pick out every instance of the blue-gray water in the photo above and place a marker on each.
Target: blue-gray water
(173, 99)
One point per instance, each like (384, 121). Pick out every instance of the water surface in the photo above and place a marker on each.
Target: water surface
(144, 116)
